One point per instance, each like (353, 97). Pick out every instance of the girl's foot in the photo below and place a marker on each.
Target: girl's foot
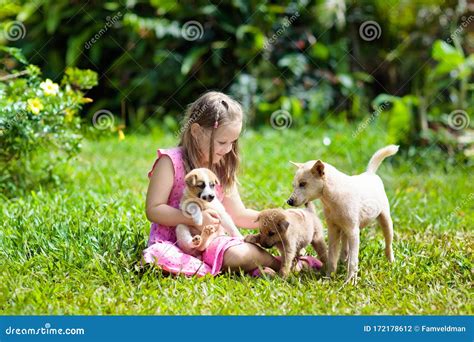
(308, 262)
(261, 272)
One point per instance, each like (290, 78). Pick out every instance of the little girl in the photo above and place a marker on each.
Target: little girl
(209, 138)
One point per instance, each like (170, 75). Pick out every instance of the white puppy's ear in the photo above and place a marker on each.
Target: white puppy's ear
(191, 179)
(213, 177)
(298, 165)
(318, 169)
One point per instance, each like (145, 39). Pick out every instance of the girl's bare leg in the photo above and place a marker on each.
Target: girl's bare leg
(248, 257)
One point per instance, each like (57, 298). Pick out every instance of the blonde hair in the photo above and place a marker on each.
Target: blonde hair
(211, 110)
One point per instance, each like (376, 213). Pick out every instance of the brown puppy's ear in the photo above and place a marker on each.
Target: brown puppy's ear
(283, 225)
(191, 179)
(258, 219)
(318, 169)
(298, 165)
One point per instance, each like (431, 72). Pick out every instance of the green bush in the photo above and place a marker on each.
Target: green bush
(39, 121)
(441, 108)
(313, 59)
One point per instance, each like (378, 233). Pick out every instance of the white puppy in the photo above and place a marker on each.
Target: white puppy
(349, 203)
(198, 196)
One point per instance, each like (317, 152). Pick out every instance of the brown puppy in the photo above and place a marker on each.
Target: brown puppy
(199, 195)
(290, 231)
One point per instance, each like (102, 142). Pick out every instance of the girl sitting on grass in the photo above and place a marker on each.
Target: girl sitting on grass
(209, 138)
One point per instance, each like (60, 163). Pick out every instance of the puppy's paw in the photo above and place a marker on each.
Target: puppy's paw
(251, 238)
(209, 230)
(330, 273)
(196, 241)
(284, 273)
(390, 257)
(351, 279)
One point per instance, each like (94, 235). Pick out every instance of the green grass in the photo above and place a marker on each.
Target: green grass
(76, 249)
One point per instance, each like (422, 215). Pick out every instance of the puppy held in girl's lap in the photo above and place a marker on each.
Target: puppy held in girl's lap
(209, 141)
(199, 196)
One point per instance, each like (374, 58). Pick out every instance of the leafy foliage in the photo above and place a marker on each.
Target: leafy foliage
(444, 90)
(305, 57)
(39, 122)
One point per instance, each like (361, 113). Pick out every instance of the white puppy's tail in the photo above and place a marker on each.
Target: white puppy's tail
(379, 156)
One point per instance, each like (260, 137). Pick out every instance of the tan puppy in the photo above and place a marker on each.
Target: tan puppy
(290, 231)
(199, 195)
(349, 203)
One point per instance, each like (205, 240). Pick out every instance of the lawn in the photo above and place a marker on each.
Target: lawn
(76, 249)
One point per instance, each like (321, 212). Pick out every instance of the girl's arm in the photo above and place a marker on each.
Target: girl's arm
(159, 189)
(243, 217)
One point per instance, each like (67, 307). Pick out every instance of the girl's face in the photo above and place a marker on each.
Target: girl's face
(224, 138)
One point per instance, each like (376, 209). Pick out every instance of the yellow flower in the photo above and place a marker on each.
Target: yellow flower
(121, 135)
(68, 114)
(49, 87)
(35, 105)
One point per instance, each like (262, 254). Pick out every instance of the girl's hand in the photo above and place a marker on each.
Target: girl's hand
(210, 217)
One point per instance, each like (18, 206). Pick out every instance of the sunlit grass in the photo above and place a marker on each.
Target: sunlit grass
(76, 249)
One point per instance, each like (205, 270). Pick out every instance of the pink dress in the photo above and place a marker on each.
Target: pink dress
(162, 248)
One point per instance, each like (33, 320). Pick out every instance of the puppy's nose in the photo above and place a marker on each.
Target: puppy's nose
(290, 201)
(208, 198)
